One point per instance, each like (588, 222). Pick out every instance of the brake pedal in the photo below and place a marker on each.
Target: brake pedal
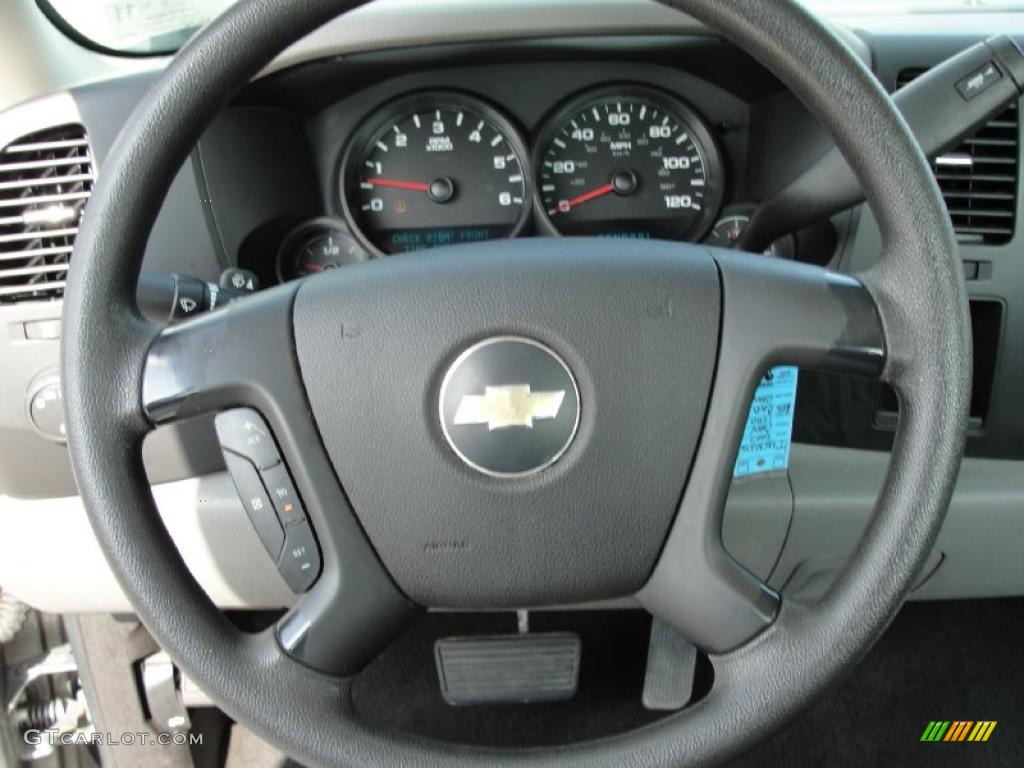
(508, 669)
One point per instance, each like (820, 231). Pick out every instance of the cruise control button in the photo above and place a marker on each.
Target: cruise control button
(283, 495)
(300, 561)
(244, 432)
(256, 502)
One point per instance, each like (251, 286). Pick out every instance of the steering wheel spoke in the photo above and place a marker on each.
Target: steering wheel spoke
(239, 355)
(349, 615)
(773, 312)
(782, 312)
(243, 356)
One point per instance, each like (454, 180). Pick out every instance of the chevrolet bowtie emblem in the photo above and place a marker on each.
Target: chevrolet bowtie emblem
(521, 425)
(509, 406)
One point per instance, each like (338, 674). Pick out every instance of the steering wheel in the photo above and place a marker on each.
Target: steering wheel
(652, 352)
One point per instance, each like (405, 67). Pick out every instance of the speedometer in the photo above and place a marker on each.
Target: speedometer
(629, 162)
(435, 169)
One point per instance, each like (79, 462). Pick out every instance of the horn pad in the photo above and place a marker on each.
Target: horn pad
(514, 422)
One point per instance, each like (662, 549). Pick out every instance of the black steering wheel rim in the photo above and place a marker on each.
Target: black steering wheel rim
(920, 297)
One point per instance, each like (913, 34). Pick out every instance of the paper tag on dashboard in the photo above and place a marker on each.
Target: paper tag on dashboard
(142, 19)
(769, 431)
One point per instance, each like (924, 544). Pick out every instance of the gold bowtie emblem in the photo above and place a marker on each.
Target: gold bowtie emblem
(509, 406)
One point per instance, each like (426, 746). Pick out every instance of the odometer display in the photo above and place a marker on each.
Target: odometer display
(632, 163)
(435, 169)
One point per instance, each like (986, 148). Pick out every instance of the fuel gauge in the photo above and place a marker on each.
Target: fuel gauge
(317, 246)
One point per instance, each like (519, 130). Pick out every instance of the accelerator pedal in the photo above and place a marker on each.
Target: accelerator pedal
(508, 669)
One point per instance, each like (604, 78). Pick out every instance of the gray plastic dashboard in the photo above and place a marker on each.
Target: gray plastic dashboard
(794, 528)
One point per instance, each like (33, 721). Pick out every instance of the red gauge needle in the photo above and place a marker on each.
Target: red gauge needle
(415, 186)
(567, 205)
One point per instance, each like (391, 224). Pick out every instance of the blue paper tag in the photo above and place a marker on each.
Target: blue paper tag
(769, 431)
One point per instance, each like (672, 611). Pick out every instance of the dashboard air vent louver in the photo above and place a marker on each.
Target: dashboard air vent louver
(45, 179)
(978, 178)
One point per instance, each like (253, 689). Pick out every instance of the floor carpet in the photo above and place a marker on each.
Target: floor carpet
(952, 661)
(939, 661)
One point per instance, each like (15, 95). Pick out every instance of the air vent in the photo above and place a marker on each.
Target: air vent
(978, 178)
(45, 180)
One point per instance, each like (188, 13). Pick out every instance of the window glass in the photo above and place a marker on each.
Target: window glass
(135, 26)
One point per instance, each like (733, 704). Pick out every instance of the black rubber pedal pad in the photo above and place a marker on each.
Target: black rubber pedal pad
(508, 669)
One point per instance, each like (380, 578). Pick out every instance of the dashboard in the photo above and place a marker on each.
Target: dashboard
(597, 118)
(444, 168)
(561, 142)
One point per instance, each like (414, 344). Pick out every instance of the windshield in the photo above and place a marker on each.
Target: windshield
(903, 7)
(163, 26)
(134, 26)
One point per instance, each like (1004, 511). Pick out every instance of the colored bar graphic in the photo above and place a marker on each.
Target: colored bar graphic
(935, 731)
(982, 730)
(958, 730)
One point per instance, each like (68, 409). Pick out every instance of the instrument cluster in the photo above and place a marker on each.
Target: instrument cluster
(438, 168)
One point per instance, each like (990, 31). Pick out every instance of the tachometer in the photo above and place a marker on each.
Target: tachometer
(435, 169)
(629, 162)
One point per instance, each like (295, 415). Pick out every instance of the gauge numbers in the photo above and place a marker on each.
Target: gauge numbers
(317, 246)
(439, 170)
(629, 163)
